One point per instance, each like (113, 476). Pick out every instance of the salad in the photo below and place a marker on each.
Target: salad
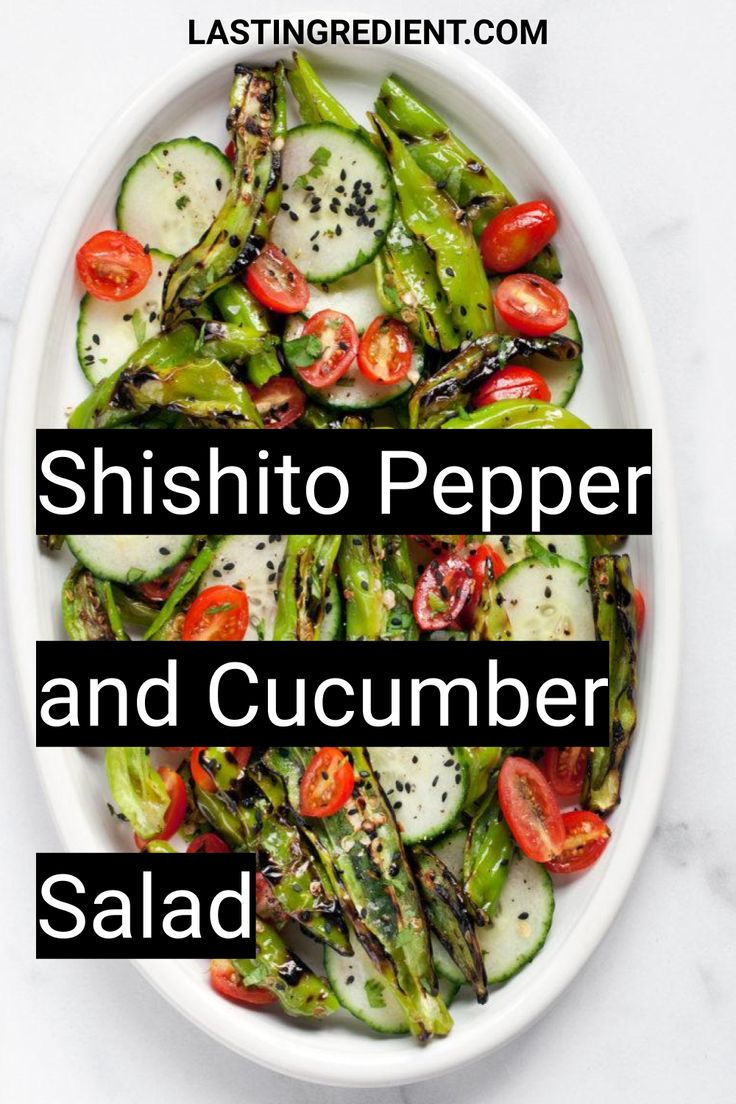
(334, 276)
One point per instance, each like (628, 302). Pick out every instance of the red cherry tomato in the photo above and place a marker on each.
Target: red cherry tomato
(514, 382)
(276, 282)
(280, 402)
(231, 153)
(210, 843)
(640, 610)
(339, 340)
(531, 304)
(516, 235)
(385, 351)
(226, 981)
(158, 590)
(443, 590)
(242, 755)
(564, 768)
(327, 783)
(586, 838)
(530, 809)
(176, 811)
(113, 266)
(218, 613)
(481, 561)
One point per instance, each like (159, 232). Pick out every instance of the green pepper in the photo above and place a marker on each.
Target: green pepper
(518, 414)
(137, 789)
(300, 992)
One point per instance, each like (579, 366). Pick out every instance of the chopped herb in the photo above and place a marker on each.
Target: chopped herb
(302, 351)
(374, 993)
(139, 326)
(183, 201)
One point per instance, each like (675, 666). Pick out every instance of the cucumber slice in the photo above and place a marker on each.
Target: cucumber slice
(444, 965)
(251, 563)
(547, 603)
(353, 391)
(522, 923)
(562, 377)
(172, 194)
(354, 295)
(451, 850)
(129, 559)
(363, 991)
(426, 786)
(107, 333)
(338, 201)
(511, 549)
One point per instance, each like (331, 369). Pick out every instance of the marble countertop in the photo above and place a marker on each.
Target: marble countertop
(639, 94)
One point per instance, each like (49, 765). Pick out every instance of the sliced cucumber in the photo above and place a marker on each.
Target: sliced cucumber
(353, 391)
(562, 377)
(354, 295)
(107, 332)
(522, 923)
(426, 786)
(444, 964)
(511, 549)
(363, 991)
(252, 564)
(171, 194)
(545, 602)
(129, 559)
(451, 850)
(338, 201)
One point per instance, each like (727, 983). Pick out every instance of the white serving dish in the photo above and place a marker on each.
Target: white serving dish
(619, 388)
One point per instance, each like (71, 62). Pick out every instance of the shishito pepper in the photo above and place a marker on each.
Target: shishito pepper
(360, 848)
(299, 990)
(376, 571)
(304, 586)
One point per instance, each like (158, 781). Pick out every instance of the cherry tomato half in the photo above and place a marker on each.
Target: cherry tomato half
(226, 981)
(531, 304)
(201, 777)
(530, 809)
(327, 783)
(586, 838)
(210, 843)
(231, 153)
(482, 562)
(640, 610)
(514, 382)
(276, 282)
(564, 768)
(443, 590)
(158, 590)
(218, 613)
(280, 402)
(339, 340)
(176, 811)
(113, 266)
(516, 235)
(385, 351)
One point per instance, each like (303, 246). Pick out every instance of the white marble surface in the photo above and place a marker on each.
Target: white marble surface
(642, 96)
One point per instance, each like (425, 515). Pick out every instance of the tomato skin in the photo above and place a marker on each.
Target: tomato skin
(226, 981)
(280, 402)
(339, 339)
(113, 266)
(276, 282)
(158, 590)
(530, 809)
(385, 351)
(514, 382)
(326, 784)
(202, 778)
(478, 563)
(564, 768)
(447, 582)
(640, 610)
(531, 304)
(218, 613)
(176, 811)
(516, 235)
(586, 838)
(209, 843)
(231, 153)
